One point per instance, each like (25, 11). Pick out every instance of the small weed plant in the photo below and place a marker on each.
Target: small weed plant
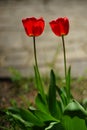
(20, 83)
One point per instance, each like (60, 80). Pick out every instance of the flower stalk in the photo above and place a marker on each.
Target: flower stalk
(64, 53)
(35, 55)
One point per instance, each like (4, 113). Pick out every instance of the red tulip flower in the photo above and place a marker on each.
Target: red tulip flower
(60, 26)
(33, 26)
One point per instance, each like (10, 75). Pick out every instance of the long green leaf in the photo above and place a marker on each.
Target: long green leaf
(20, 119)
(75, 109)
(55, 126)
(39, 83)
(29, 116)
(74, 123)
(68, 83)
(44, 117)
(40, 104)
(59, 110)
(52, 94)
(63, 96)
(25, 115)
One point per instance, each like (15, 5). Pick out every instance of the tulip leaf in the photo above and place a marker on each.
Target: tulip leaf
(25, 115)
(75, 109)
(39, 83)
(74, 123)
(59, 110)
(40, 104)
(55, 126)
(52, 95)
(63, 96)
(68, 81)
(44, 116)
(29, 116)
(18, 118)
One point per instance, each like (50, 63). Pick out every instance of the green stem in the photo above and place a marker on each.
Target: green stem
(64, 52)
(35, 55)
(38, 77)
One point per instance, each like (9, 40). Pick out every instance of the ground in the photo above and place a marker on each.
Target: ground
(10, 94)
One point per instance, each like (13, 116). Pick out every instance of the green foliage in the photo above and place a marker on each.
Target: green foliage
(74, 123)
(51, 112)
(54, 110)
(52, 103)
(68, 83)
(39, 83)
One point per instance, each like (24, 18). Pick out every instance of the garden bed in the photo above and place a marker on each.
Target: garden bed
(10, 93)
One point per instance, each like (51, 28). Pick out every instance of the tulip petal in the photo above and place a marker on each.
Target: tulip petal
(60, 26)
(33, 26)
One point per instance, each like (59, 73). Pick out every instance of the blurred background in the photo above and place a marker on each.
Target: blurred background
(16, 48)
